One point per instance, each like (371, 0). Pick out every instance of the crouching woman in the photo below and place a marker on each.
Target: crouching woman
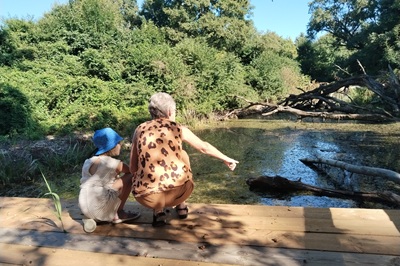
(162, 176)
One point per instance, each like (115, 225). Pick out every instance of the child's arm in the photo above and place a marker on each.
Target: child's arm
(122, 168)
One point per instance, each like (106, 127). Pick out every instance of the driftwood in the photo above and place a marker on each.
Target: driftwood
(364, 170)
(278, 184)
(328, 115)
(321, 102)
(267, 109)
(323, 95)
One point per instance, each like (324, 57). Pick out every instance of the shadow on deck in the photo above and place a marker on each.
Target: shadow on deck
(213, 234)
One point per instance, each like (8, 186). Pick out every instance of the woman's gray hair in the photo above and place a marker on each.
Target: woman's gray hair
(160, 104)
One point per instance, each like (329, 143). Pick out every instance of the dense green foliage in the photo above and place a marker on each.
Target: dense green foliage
(358, 33)
(94, 63)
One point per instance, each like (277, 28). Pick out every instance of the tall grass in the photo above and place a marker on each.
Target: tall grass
(57, 202)
(22, 169)
(17, 167)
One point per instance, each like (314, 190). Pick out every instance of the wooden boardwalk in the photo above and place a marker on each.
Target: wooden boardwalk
(217, 234)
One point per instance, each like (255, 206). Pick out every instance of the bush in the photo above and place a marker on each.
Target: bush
(15, 114)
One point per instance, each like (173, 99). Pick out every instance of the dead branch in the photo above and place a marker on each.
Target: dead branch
(328, 115)
(345, 71)
(362, 67)
(326, 90)
(267, 109)
(394, 83)
(364, 170)
(320, 102)
(278, 184)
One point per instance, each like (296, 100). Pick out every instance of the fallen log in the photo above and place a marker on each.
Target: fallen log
(329, 115)
(364, 170)
(326, 89)
(335, 113)
(323, 102)
(278, 184)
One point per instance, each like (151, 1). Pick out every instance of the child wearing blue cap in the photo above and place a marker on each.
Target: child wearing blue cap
(106, 183)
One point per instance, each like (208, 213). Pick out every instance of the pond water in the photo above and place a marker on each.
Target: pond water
(274, 146)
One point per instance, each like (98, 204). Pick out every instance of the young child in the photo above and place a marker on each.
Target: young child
(106, 183)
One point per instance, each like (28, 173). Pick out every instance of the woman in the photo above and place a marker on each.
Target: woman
(162, 176)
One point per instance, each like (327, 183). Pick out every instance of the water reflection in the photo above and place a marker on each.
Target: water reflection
(270, 147)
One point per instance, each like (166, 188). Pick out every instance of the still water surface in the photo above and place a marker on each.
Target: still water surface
(274, 147)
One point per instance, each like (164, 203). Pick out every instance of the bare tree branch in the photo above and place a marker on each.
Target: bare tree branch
(320, 102)
(364, 170)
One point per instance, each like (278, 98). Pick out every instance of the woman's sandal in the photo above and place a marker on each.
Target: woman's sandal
(182, 216)
(126, 216)
(159, 219)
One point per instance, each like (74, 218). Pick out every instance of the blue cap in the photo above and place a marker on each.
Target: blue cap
(105, 140)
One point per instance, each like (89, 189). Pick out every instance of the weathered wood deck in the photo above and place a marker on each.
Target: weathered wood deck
(30, 234)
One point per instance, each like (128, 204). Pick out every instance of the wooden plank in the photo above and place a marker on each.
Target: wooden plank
(30, 255)
(299, 212)
(222, 254)
(377, 222)
(237, 210)
(369, 218)
(132, 248)
(365, 227)
(298, 240)
(245, 210)
(221, 224)
(200, 218)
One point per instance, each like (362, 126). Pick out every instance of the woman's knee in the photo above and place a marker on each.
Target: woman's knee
(152, 201)
(180, 194)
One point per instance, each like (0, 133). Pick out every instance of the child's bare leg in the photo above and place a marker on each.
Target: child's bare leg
(125, 190)
(124, 186)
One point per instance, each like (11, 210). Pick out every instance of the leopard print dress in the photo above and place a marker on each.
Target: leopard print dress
(160, 162)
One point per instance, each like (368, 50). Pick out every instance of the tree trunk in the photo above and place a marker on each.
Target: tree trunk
(278, 184)
(328, 115)
(364, 170)
(320, 102)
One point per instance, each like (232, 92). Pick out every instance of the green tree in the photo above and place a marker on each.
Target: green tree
(271, 66)
(15, 115)
(15, 37)
(94, 63)
(224, 24)
(322, 60)
(369, 29)
(130, 13)
(84, 24)
(345, 20)
(212, 79)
